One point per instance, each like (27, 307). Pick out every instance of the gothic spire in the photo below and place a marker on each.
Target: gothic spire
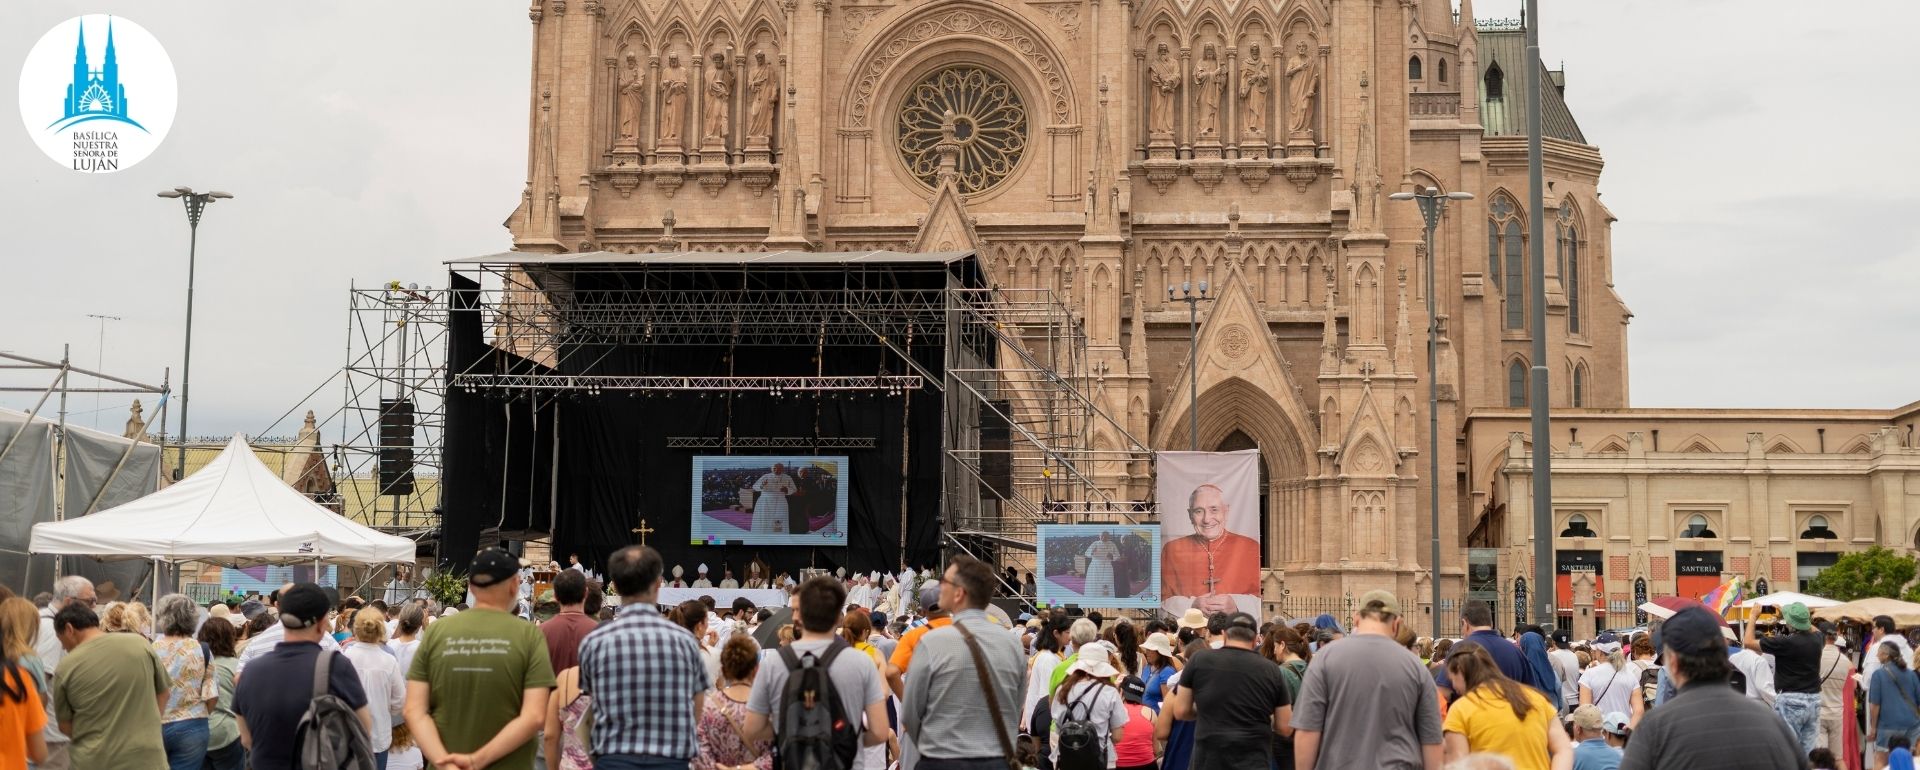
(80, 61)
(110, 70)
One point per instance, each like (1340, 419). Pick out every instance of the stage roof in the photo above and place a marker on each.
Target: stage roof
(714, 258)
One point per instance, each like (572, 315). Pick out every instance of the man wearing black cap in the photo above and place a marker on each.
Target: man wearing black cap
(477, 689)
(265, 642)
(1708, 725)
(278, 686)
(1237, 699)
(1566, 668)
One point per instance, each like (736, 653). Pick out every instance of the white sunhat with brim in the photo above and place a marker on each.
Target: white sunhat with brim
(1097, 666)
(1159, 642)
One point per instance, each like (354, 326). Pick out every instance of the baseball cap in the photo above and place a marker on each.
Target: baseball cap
(303, 605)
(1388, 604)
(1134, 690)
(1561, 638)
(1691, 631)
(930, 596)
(1588, 717)
(492, 565)
(251, 609)
(1614, 722)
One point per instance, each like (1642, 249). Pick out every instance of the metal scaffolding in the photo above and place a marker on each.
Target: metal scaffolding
(1015, 361)
(396, 341)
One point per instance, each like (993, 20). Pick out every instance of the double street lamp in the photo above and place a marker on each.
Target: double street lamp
(1433, 204)
(196, 203)
(1193, 300)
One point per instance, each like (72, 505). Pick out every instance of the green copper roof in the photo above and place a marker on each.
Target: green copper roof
(1506, 47)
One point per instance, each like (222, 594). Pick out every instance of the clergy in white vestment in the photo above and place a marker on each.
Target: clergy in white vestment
(770, 500)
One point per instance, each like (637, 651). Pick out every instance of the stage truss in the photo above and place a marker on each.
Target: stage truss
(396, 343)
(1013, 357)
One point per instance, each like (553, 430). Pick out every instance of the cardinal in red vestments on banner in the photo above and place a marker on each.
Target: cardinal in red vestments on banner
(1211, 568)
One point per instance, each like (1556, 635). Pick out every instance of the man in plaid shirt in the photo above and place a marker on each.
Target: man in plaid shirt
(644, 672)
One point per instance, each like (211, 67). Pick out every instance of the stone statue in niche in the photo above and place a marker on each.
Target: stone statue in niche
(1211, 79)
(1303, 83)
(632, 95)
(1255, 79)
(763, 91)
(719, 98)
(1164, 75)
(673, 101)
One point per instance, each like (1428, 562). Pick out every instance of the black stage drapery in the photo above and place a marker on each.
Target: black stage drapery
(601, 463)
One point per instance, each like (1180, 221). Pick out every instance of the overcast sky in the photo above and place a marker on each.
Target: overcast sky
(1766, 242)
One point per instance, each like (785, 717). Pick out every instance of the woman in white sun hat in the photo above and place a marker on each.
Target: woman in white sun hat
(1088, 695)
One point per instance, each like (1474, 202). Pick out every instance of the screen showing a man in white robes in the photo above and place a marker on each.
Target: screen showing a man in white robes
(770, 500)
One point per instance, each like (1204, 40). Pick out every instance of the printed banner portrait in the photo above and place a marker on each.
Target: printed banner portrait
(1099, 565)
(1210, 524)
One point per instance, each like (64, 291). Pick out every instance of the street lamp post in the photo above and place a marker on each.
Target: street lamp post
(1432, 205)
(196, 203)
(1193, 300)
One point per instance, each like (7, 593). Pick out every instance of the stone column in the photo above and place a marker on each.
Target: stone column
(1230, 122)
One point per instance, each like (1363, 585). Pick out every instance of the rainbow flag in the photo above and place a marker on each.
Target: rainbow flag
(1725, 597)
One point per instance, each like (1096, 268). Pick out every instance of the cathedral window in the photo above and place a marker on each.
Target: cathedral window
(1413, 67)
(1580, 385)
(1818, 529)
(1517, 383)
(1514, 244)
(1573, 280)
(1443, 70)
(973, 109)
(1577, 526)
(1496, 83)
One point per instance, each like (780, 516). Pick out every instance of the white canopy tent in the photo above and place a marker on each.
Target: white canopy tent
(1784, 598)
(234, 511)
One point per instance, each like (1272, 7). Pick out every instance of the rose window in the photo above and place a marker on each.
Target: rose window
(988, 125)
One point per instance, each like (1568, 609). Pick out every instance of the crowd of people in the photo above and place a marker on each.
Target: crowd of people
(936, 680)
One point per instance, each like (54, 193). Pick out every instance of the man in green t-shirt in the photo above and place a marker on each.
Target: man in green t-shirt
(477, 689)
(108, 694)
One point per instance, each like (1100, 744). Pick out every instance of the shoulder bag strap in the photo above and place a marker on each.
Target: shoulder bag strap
(986, 686)
(1604, 690)
(322, 667)
(1898, 687)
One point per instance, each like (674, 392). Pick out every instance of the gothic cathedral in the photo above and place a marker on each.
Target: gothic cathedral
(1112, 152)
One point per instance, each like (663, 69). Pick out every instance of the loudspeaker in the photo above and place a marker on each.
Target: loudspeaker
(996, 462)
(396, 447)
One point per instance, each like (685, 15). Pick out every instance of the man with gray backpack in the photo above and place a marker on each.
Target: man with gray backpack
(809, 698)
(300, 707)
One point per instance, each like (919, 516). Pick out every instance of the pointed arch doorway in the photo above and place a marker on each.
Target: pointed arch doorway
(1239, 440)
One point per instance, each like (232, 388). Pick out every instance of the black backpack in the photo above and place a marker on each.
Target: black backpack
(1078, 738)
(330, 735)
(815, 730)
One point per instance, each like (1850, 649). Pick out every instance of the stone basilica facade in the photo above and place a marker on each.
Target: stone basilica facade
(1112, 150)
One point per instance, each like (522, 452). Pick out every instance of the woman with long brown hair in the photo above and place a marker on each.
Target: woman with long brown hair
(24, 701)
(1501, 716)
